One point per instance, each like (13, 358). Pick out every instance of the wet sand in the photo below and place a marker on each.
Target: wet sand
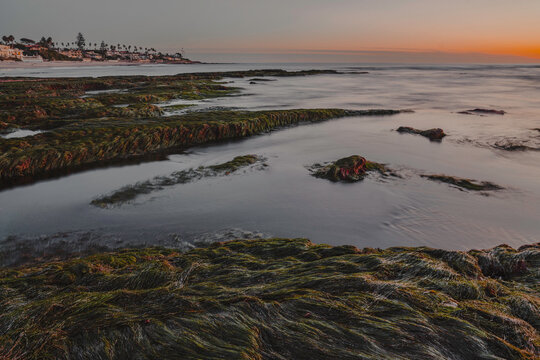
(24, 65)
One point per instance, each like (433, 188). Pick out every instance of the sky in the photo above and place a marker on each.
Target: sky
(428, 31)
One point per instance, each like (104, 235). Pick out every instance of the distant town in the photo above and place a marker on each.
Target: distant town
(28, 50)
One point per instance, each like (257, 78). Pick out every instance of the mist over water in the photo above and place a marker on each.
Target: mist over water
(285, 201)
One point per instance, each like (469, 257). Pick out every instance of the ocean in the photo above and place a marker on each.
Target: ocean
(284, 200)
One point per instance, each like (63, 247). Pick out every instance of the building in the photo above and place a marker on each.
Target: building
(6, 52)
(77, 54)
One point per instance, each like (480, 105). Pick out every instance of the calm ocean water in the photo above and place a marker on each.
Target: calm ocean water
(284, 200)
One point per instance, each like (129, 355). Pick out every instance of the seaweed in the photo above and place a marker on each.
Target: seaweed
(275, 299)
(463, 183)
(130, 192)
(92, 121)
(94, 141)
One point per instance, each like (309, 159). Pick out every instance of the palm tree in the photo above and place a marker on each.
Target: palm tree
(27, 41)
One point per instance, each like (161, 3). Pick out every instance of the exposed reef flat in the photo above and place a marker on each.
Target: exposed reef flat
(350, 169)
(102, 140)
(432, 134)
(275, 299)
(463, 183)
(92, 121)
(130, 192)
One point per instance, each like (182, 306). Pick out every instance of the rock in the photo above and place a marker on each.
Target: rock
(482, 112)
(261, 79)
(435, 134)
(349, 169)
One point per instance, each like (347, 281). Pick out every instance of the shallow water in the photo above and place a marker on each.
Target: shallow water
(285, 201)
(19, 133)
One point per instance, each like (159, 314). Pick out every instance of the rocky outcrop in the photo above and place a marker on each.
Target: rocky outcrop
(349, 169)
(435, 134)
(483, 112)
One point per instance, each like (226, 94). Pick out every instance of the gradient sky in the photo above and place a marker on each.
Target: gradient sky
(295, 30)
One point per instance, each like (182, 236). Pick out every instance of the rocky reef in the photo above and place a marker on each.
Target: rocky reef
(130, 192)
(463, 183)
(275, 299)
(350, 169)
(95, 121)
(432, 134)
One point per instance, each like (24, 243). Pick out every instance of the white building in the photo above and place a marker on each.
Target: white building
(6, 52)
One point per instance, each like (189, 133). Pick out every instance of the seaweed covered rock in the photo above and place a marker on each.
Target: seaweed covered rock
(275, 299)
(463, 183)
(130, 192)
(349, 169)
(98, 141)
(435, 134)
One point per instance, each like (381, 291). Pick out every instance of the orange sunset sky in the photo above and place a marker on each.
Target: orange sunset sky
(349, 30)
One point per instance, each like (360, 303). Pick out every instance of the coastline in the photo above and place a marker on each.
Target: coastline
(51, 64)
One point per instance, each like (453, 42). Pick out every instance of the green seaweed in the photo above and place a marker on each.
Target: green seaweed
(463, 183)
(95, 141)
(275, 299)
(130, 192)
(93, 121)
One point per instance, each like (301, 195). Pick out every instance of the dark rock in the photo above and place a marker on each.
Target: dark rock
(349, 169)
(482, 112)
(261, 79)
(435, 134)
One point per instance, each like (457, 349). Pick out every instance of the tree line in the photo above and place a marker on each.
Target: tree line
(79, 43)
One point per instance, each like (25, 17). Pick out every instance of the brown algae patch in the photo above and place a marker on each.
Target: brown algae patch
(130, 192)
(275, 299)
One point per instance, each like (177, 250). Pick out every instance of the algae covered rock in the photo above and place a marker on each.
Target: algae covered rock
(131, 192)
(463, 183)
(349, 169)
(435, 134)
(275, 299)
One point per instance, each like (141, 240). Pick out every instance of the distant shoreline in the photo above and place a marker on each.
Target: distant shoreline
(29, 65)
